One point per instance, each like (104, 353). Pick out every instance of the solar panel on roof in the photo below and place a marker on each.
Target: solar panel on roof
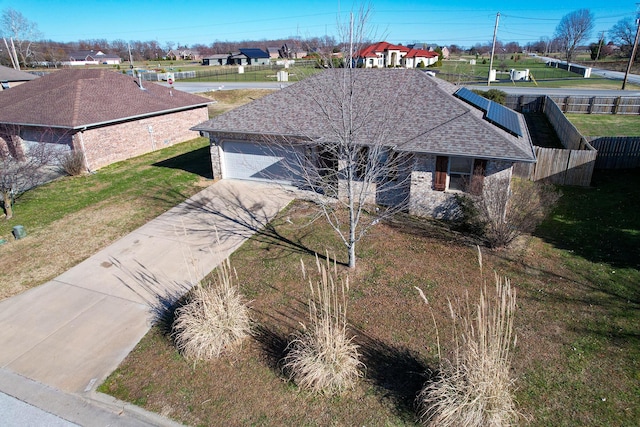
(504, 117)
(473, 99)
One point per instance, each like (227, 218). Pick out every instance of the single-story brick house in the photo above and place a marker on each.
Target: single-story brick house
(447, 140)
(104, 114)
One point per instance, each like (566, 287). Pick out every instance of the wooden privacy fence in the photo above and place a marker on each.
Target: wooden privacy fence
(570, 166)
(577, 104)
(562, 167)
(617, 152)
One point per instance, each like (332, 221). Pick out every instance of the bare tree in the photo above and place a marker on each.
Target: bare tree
(506, 209)
(355, 176)
(22, 169)
(624, 33)
(573, 29)
(23, 32)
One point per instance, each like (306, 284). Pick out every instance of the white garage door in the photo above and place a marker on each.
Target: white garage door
(244, 160)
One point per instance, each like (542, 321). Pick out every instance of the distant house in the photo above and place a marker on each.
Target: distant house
(274, 52)
(384, 54)
(218, 59)
(292, 52)
(452, 145)
(91, 57)
(184, 55)
(11, 78)
(431, 48)
(249, 56)
(103, 114)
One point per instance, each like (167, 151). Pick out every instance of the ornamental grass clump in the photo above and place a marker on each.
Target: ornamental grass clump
(214, 320)
(475, 387)
(323, 358)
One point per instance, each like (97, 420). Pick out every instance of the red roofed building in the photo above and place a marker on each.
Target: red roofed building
(384, 54)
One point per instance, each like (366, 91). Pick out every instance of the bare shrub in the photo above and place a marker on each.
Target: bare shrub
(474, 387)
(509, 208)
(322, 358)
(214, 320)
(72, 163)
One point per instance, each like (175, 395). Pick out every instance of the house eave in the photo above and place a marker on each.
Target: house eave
(106, 122)
(474, 156)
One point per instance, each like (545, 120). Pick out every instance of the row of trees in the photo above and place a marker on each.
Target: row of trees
(573, 29)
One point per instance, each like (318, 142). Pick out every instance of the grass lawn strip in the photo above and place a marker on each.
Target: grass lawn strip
(606, 124)
(71, 218)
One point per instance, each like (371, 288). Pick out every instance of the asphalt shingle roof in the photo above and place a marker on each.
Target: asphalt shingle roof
(80, 98)
(406, 109)
(10, 75)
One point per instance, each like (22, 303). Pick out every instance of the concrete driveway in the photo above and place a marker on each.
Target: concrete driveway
(70, 333)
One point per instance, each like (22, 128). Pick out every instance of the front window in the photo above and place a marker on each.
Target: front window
(459, 174)
(460, 170)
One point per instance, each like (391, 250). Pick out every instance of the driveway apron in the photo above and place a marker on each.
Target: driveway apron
(73, 331)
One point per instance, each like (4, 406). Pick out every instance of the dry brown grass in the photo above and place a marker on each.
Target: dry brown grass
(323, 358)
(50, 251)
(214, 320)
(229, 99)
(474, 387)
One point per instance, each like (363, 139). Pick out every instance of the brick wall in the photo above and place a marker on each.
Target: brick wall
(110, 144)
(425, 201)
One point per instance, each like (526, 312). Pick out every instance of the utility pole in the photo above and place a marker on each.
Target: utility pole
(635, 47)
(600, 43)
(493, 48)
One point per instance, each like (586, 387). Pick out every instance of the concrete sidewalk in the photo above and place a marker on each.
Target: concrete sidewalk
(72, 332)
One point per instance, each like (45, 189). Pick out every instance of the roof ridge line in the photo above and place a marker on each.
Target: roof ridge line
(76, 102)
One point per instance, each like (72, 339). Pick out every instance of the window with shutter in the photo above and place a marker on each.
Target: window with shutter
(459, 174)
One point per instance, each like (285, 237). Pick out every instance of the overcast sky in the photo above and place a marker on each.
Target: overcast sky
(401, 21)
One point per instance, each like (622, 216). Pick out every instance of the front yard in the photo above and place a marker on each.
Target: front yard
(577, 358)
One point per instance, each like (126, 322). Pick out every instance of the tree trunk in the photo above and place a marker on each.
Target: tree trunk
(352, 255)
(6, 199)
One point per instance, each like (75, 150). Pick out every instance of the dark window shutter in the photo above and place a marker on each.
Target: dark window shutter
(440, 181)
(477, 179)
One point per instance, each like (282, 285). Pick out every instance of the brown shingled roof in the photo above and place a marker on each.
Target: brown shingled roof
(84, 98)
(418, 114)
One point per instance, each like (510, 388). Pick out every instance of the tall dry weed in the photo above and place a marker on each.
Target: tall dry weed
(323, 358)
(475, 387)
(214, 320)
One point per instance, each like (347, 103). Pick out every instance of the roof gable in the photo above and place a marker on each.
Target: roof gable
(416, 113)
(79, 98)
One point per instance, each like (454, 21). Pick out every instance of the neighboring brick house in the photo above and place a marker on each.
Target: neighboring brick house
(10, 78)
(448, 142)
(102, 113)
(384, 54)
